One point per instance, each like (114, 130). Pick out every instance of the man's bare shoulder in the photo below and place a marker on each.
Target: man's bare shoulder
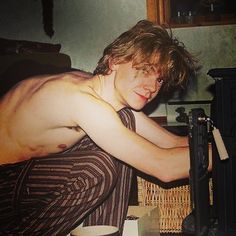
(48, 94)
(33, 85)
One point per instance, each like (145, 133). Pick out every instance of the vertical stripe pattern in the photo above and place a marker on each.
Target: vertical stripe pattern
(52, 195)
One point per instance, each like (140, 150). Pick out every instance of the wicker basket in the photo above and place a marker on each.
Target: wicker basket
(174, 204)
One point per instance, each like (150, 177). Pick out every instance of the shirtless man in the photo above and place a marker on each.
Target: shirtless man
(46, 115)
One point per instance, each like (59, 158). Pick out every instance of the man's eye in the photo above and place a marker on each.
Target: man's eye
(160, 81)
(145, 72)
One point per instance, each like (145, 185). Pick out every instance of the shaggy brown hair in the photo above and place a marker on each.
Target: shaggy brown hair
(150, 47)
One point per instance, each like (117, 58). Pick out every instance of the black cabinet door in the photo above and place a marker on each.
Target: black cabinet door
(224, 117)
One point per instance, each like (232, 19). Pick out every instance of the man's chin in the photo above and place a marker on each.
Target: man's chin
(137, 107)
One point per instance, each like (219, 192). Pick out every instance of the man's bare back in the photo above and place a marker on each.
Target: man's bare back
(31, 125)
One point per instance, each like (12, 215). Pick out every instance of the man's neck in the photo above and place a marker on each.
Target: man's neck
(104, 86)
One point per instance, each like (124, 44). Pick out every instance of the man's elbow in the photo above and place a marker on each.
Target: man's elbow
(165, 177)
(170, 176)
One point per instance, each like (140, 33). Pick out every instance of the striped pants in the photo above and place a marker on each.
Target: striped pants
(52, 195)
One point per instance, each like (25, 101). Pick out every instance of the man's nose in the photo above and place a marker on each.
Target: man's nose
(151, 85)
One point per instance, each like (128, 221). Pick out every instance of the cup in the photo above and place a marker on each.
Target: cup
(96, 230)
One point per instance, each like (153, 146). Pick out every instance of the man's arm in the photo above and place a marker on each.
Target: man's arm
(156, 134)
(99, 120)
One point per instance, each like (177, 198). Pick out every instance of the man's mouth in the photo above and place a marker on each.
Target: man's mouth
(144, 98)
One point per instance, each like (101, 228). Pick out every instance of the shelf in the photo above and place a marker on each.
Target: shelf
(159, 11)
(206, 22)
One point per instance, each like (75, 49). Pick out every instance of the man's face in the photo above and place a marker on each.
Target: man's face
(136, 87)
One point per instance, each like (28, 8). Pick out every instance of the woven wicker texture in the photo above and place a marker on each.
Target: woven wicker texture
(174, 204)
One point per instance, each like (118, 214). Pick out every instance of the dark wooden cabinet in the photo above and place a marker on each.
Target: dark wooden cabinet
(190, 13)
(224, 172)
